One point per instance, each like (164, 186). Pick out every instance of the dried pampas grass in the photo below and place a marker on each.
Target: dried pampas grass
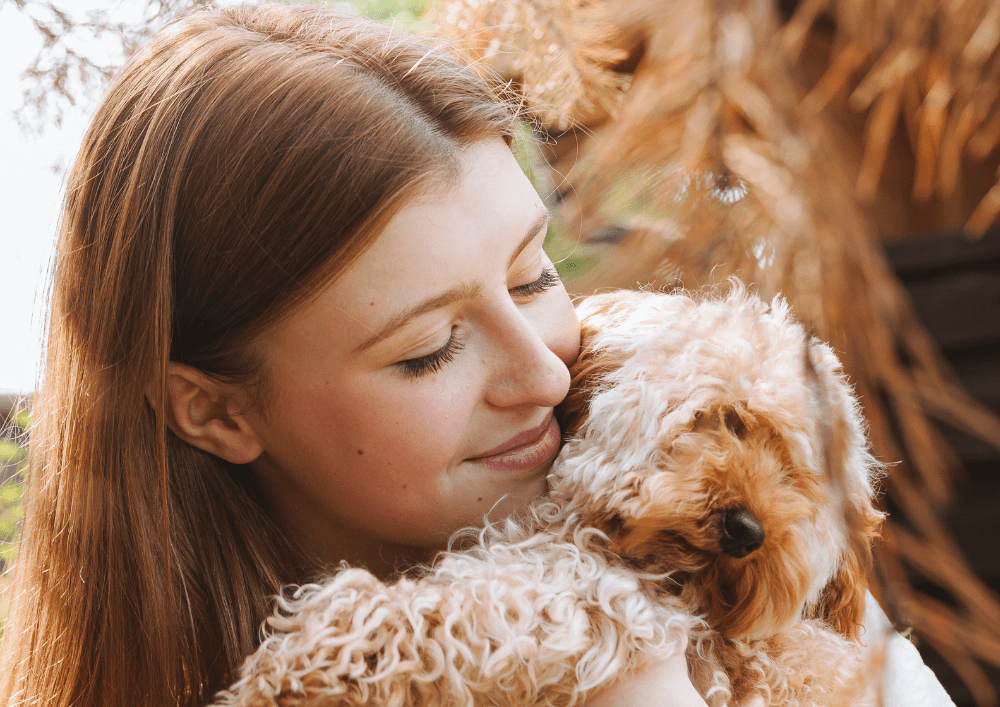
(930, 68)
(555, 49)
(683, 149)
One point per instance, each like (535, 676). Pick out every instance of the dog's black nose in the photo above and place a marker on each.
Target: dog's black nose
(742, 533)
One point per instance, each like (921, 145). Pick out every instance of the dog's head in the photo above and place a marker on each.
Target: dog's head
(703, 435)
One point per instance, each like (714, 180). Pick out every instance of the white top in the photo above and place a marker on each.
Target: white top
(908, 682)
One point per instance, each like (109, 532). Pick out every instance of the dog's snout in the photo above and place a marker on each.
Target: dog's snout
(742, 533)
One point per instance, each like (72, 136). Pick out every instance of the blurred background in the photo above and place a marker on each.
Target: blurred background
(842, 153)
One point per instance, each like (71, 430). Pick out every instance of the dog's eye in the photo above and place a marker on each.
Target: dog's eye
(734, 423)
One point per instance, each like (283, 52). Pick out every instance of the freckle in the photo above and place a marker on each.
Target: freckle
(405, 486)
(361, 451)
(371, 304)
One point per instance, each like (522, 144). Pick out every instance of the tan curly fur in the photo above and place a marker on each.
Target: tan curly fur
(687, 417)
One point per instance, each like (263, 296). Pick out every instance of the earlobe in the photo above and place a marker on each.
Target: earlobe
(206, 415)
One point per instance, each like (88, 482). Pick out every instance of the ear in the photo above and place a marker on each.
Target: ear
(210, 415)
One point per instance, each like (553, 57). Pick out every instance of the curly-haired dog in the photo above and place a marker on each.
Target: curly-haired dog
(695, 484)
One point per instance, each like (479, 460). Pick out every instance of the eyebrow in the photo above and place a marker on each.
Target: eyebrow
(455, 294)
(541, 222)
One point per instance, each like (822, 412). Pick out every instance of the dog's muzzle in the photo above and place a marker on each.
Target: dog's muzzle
(741, 533)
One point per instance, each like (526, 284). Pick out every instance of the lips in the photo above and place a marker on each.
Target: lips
(526, 450)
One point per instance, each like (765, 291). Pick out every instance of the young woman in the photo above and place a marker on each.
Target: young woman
(300, 314)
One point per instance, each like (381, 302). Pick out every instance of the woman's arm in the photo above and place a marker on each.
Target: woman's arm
(663, 682)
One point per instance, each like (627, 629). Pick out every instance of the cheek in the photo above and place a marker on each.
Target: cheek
(390, 429)
(422, 421)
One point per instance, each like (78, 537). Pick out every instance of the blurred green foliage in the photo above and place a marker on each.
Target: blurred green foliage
(561, 245)
(11, 512)
(22, 419)
(9, 451)
(13, 460)
(405, 14)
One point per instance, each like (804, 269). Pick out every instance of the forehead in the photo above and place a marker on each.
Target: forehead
(462, 234)
(490, 203)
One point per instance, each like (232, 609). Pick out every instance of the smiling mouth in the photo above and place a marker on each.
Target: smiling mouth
(526, 450)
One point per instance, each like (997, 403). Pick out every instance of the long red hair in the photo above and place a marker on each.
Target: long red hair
(238, 161)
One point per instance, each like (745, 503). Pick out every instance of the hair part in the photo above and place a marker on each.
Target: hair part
(240, 160)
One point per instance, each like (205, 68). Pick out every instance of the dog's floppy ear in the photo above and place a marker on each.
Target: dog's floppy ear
(850, 471)
(842, 602)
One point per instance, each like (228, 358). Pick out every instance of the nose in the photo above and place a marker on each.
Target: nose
(741, 532)
(525, 370)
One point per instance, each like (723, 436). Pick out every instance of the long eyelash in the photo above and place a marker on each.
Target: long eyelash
(549, 278)
(432, 362)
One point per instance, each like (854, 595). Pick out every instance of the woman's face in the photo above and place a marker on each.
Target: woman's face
(414, 396)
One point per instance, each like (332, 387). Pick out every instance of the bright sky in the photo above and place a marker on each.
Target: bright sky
(30, 194)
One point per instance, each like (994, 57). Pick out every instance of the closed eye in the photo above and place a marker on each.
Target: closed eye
(548, 279)
(432, 362)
